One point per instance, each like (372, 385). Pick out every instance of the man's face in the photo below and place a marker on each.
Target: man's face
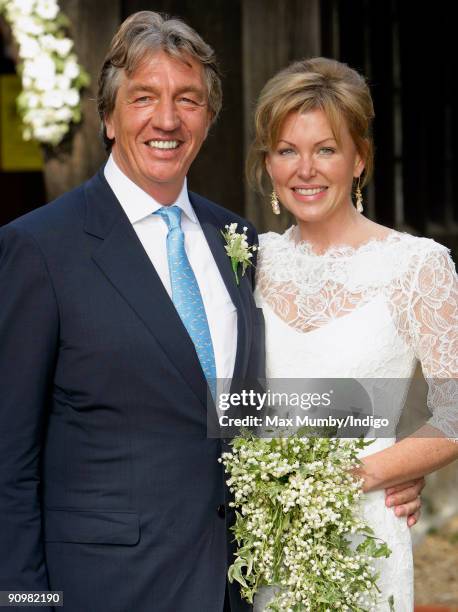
(159, 123)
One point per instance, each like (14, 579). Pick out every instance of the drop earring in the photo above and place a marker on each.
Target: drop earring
(274, 203)
(359, 197)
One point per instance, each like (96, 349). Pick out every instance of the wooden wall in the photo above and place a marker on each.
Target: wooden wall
(408, 54)
(411, 65)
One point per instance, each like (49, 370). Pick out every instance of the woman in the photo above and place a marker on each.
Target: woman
(346, 297)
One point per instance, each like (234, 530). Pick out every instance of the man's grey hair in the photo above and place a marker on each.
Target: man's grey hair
(145, 33)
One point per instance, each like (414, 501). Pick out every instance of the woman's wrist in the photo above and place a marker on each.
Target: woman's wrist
(368, 472)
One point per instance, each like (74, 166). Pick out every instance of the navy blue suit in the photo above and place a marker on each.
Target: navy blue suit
(110, 489)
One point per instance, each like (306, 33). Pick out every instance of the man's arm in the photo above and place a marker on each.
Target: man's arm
(28, 346)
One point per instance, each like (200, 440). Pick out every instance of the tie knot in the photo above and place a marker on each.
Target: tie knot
(171, 215)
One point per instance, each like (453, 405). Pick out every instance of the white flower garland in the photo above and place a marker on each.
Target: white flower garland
(51, 76)
(296, 506)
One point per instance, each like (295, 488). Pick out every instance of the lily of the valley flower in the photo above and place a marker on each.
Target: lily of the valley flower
(238, 249)
(51, 76)
(297, 504)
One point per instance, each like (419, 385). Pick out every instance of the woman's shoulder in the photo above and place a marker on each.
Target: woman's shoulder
(419, 249)
(271, 243)
(275, 237)
(421, 243)
(418, 261)
(384, 239)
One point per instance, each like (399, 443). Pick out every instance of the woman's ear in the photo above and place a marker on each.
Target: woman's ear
(359, 168)
(360, 162)
(268, 165)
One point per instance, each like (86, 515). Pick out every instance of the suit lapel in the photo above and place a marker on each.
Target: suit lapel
(212, 227)
(125, 263)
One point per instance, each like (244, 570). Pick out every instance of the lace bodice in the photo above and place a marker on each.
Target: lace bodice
(402, 288)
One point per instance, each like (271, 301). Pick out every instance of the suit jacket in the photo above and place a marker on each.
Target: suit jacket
(110, 489)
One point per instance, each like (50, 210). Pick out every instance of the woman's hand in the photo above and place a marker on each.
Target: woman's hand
(405, 499)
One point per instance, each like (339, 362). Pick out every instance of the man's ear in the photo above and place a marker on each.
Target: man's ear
(109, 127)
(209, 123)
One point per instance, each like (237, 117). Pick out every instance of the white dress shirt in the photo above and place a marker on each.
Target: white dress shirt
(152, 233)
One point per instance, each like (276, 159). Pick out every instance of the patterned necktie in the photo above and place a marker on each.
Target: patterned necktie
(186, 294)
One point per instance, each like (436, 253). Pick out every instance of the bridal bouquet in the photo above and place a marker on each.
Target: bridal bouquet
(296, 504)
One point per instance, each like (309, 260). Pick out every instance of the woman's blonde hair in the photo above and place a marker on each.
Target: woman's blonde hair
(316, 83)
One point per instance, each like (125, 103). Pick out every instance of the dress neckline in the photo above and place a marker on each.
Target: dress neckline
(340, 250)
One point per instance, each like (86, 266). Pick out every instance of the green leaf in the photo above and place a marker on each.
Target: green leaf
(62, 21)
(368, 530)
(383, 551)
(76, 115)
(83, 79)
(235, 572)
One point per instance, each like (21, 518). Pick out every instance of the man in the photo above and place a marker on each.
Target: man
(119, 308)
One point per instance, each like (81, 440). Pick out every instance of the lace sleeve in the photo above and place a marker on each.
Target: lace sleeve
(433, 322)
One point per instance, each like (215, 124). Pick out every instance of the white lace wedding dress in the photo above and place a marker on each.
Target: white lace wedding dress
(365, 313)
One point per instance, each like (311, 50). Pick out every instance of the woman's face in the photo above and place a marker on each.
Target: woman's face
(311, 174)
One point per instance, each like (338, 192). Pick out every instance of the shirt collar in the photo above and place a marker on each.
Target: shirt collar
(138, 204)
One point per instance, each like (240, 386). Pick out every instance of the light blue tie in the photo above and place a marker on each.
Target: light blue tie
(186, 294)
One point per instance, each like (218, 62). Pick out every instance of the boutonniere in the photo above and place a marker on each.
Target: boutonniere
(238, 249)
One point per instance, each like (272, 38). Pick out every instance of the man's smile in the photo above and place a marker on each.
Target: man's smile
(163, 144)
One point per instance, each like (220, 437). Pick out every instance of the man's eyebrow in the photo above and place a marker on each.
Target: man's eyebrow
(131, 89)
(192, 89)
(137, 87)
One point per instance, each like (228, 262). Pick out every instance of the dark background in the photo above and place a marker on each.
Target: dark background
(407, 53)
